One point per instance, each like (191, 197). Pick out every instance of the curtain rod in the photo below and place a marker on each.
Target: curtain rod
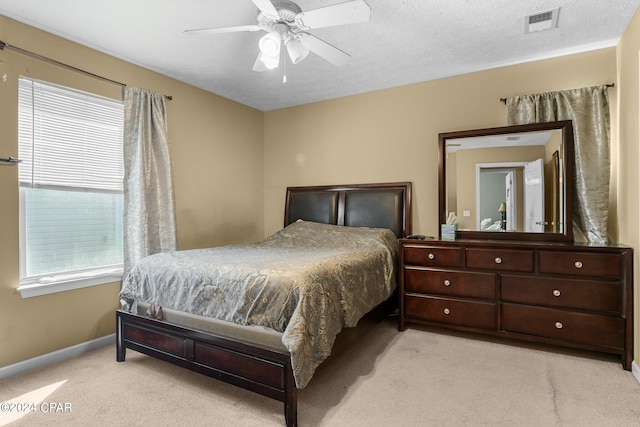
(4, 45)
(504, 100)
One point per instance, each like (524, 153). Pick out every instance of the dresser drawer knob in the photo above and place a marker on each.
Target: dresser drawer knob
(498, 260)
(447, 282)
(559, 325)
(447, 311)
(578, 264)
(556, 293)
(431, 256)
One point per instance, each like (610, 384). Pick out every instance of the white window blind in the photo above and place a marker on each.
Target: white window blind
(71, 146)
(69, 138)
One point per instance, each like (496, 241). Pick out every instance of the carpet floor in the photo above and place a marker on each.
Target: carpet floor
(419, 377)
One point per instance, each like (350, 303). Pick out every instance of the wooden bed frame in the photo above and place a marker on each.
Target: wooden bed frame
(254, 367)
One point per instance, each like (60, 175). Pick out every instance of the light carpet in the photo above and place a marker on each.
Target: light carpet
(419, 377)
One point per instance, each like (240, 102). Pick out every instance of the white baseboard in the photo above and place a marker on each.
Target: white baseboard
(56, 356)
(635, 370)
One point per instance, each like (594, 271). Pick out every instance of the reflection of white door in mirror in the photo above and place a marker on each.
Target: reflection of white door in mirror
(510, 200)
(534, 196)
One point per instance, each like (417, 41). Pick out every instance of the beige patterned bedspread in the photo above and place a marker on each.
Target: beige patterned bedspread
(308, 280)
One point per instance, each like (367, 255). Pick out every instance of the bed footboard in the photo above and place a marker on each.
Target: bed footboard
(259, 369)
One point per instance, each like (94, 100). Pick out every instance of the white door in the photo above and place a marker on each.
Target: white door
(510, 198)
(534, 196)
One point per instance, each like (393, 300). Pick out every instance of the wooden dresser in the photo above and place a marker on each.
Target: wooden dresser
(562, 294)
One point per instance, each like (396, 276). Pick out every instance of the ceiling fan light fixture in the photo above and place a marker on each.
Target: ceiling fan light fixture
(297, 52)
(270, 44)
(269, 61)
(259, 66)
(286, 24)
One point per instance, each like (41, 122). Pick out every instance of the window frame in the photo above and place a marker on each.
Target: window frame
(44, 284)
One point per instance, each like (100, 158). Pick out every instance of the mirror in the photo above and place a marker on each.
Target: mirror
(512, 182)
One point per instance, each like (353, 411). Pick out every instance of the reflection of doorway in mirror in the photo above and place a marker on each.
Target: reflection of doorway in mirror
(498, 183)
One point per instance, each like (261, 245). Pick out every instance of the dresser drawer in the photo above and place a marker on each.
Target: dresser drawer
(567, 293)
(432, 256)
(564, 325)
(452, 283)
(452, 312)
(499, 259)
(581, 263)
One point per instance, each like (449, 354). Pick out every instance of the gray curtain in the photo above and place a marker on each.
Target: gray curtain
(588, 108)
(149, 213)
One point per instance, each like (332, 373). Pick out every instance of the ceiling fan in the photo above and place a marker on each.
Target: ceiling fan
(286, 25)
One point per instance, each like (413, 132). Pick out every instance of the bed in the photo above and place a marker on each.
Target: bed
(269, 338)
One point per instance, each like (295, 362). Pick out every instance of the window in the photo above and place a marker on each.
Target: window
(71, 201)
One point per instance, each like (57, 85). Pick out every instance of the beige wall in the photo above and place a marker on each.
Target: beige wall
(217, 154)
(627, 179)
(392, 135)
(221, 149)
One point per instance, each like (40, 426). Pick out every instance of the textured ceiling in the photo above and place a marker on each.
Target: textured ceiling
(405, 41)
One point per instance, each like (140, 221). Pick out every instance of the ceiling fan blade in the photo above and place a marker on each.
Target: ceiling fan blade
(223, 30)
(324, 49)
(267, 8)
(344, 13)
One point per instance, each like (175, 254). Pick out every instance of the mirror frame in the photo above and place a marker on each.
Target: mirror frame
(567, 181)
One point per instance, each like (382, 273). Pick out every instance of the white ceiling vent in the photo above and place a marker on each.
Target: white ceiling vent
(541, 21)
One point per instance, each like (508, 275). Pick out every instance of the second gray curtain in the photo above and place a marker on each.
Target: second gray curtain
(149, 212)
(588, 108)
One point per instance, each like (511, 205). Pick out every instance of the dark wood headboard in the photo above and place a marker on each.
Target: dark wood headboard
(386, 205)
